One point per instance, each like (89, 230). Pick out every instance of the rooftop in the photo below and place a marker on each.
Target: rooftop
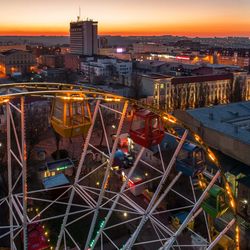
(230, 119)
(152, 63)
(203, 78)
(55, 181)
(156, 76)
(12, 51)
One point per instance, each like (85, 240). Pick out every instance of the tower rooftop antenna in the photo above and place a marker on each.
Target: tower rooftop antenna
(79, 16)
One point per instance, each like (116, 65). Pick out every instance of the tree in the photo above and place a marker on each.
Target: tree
(109, 120)
(136, 84)
(99, 79)
(177, 98)
(35, 126)
(3, 164)
(70, 76)
(187, 101)
(237, 92)
(202, 95)
(3, 148)
(216, 101)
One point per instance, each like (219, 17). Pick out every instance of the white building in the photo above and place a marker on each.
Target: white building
(109, 68)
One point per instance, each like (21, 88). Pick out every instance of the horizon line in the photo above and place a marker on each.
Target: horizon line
(134, 35)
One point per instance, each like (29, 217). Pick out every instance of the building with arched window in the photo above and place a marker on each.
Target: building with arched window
(14, 60)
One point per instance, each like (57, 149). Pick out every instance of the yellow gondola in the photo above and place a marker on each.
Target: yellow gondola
(70, 116)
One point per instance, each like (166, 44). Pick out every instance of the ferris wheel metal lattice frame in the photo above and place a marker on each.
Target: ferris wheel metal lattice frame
(96, 199)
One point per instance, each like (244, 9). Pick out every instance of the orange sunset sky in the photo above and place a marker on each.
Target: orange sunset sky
(128, 17)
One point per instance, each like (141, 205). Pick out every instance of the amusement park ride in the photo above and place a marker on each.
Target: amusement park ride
(104, 213)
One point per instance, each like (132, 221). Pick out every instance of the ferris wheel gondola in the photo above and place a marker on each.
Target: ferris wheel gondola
(70, 117)
(146, 128)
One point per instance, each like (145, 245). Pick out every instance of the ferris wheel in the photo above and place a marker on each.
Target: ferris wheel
(134, 177)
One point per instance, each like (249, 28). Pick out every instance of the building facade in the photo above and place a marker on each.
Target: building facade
(109, 69)
(12, 61)
(72, 62)
(83, 38)
(201, 91)
(151, 48)
(51, 61)
(118, 53)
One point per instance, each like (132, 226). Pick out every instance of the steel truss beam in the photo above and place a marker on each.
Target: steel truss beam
(168, 244)
(153, 203)
(79, 169)
(96, 199)
(105, 180)
(21, 146)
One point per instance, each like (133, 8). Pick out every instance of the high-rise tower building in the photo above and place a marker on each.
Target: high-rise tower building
(83, 37)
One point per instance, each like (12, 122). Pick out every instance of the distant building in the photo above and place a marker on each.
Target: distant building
(65, 50)
(150, 47)
(148, 82)
(200, 91)
(54, 74)
(14, 60)
(150, 66)
(237, 57)
(72, 62)
(119, 53)
(51, 61)
(109, 69)
(10, 47)
(223, 127)
(83, 38)
(103, 42)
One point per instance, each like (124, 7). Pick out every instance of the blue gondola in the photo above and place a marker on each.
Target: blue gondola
(191, 160)
(123, 160)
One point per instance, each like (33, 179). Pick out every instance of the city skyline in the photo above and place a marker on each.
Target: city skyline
(159, 17)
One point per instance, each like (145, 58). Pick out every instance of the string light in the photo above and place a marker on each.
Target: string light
(75, 98)
(4, 100)
(170, 119)
(110, 99)
(211, 155)
(197, 138)
(232, 203)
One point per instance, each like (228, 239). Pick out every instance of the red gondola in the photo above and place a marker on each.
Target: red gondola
(146, 128)
(37, 237)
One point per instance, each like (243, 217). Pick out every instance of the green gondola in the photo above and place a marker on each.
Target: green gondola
(215, 204)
